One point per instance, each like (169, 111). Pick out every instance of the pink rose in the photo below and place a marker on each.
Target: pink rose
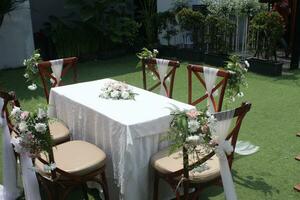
(24, 115)
(193, 114)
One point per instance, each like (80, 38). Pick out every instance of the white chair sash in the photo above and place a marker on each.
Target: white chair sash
(220, 132)
(162, 66)
(10, 190)
(210, 77)
(57, 66)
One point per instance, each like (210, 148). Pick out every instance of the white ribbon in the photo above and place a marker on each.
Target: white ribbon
(162, 66)
(10, 190)
(219, 133)
(56, 66)
(210, 77)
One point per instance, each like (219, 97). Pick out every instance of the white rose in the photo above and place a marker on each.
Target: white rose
(194, 139)
(26, 75)
(16, 111)
(16, 143)
(240, 94)
(193, 125)
(24, 62)
(155, 51)
(40, 127)
(105, 95)
(41, 113)
(23, 126)
(247, 63)
(32, 87)
(115, 94)
(125, 95)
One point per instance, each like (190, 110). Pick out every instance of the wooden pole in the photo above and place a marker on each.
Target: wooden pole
(296, 38)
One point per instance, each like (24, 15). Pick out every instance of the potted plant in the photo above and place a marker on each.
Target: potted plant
(193, 22)
(167, 28)
(218, 38)
(266, 29)
(6, 6)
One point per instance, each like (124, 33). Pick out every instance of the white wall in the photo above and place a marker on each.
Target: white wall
(16, 38)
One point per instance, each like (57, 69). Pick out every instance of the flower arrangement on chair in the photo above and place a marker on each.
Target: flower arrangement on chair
(31, 71)
(33, 134)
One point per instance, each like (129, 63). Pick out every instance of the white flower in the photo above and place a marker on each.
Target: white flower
(32, 86)
(240, 94)
(24, 62)
(194, 139)
(155, 51)
(16, 111)
(247, 63)
(193, 125)
(125, 95)
(26, 75)
(105, 95)
(40, 127)
(41, 113)
(37, 55)
(16, 143)
(23, 126)
(115, 94)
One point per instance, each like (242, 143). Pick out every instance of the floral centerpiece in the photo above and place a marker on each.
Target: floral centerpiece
(33, 131)
(31, 71)
(237, 79)
(116, 90)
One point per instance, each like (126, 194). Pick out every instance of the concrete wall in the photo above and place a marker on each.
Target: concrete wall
(16, 38)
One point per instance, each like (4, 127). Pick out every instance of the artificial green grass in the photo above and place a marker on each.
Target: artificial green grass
(271, 124)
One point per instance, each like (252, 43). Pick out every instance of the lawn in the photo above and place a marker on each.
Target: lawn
(271, 124)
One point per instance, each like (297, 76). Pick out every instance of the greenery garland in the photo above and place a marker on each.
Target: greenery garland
(237, 79)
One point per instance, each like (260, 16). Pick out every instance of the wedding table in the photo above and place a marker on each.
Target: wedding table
(128, 131)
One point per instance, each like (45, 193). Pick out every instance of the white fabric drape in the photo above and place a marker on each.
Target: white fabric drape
(162, 66)
(245, 148)
(10, 189)
(220, 132)
(57, 66)
(210, 77)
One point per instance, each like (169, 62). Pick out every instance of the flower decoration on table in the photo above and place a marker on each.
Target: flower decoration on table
(237, 79)
(33, 131)
(31, 71)
(117, 90)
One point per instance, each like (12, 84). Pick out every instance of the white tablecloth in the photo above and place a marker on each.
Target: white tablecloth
(128, 131)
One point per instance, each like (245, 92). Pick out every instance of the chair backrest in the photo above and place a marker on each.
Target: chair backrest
(238, 115)
(47, 77)
(198, 70)
(150, 64)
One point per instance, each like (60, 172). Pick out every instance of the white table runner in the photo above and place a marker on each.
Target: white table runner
(127, 130)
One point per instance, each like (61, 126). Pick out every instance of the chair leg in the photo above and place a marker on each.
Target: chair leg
(105, 186)
(156, 183)
(85, 191)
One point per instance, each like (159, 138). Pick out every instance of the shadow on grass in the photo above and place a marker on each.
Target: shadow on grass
(254, 183)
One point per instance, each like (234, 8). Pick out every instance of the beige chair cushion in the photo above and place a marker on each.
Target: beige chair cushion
(75, 157)
(166, 164)
(59, 132)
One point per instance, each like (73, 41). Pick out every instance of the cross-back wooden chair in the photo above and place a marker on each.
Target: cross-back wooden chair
(197, 70)
(171, 168)
(58, 130)
(150, 64)
(76, 162)
(46, 73)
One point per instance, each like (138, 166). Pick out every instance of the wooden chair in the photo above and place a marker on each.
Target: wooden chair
(59, 132)
(46, 73)
(171, 168)
(76, 163)
(197, 70)
(149, 64)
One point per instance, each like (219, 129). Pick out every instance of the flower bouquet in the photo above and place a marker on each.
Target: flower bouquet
(116, 90)
(31, 71)
(33, 132)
